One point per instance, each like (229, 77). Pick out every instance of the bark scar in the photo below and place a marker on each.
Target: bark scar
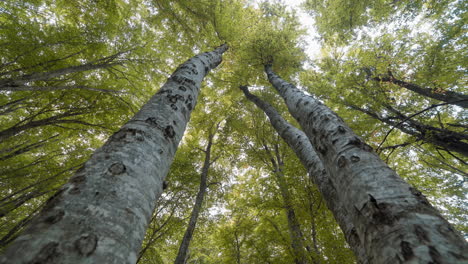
(117, 168)
(86, 244)
(341, 161)
(169, 132)
(406, 250)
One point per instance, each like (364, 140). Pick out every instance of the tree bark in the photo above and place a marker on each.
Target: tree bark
(445, 96)
(301, 145)
(394, 222)
(182, 254)
(101, 214)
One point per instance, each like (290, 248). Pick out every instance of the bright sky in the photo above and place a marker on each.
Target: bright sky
(313, 45)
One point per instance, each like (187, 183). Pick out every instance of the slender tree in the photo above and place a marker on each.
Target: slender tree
(393, 221)
(295, 232)
(101, 214)
(182, 254)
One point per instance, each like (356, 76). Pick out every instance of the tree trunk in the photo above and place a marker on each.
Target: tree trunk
(295, 233)
(393, 221)
(101, 214)
(182, 255)
(13, 84)
(238, 248)
(293, 225)
(301, 145)
(444, 138)
(57, 119)
(445, 96)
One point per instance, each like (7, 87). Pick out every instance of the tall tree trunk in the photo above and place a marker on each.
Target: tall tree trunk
(393, 221)
(314, 231)
(101, 214)
(238, 247)
(185, 243)
(301, 145)
(445, 96)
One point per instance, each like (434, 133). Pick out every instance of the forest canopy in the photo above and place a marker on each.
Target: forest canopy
(72, 73)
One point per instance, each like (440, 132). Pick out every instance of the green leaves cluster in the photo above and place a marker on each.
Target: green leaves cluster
(72, 72)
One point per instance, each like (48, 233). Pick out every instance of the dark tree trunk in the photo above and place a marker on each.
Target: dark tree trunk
(444, 138)
(445, 96)
(182, 254)
(295, 232)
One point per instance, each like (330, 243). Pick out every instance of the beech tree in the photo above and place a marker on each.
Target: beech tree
(77, 209)
(184, 245)
(301, 145)
(417, 43)
(72, 73)
(382, 206)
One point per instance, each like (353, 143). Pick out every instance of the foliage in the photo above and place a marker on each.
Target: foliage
(72, 72)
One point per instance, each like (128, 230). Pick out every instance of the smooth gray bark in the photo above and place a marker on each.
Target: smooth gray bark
(182, 254)
(301, 145)
(394, 222)
(101, 214)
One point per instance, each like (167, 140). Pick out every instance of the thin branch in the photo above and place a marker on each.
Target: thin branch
(406, 119)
